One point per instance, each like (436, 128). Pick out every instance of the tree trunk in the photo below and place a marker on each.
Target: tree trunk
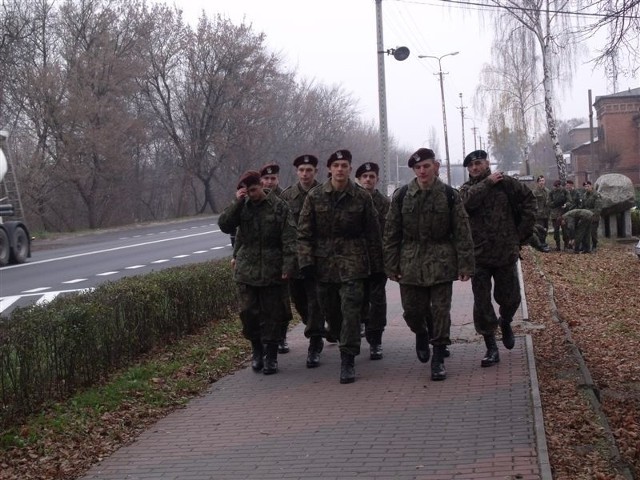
(551, 119)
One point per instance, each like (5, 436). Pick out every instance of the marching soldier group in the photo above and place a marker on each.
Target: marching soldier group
(330, 248)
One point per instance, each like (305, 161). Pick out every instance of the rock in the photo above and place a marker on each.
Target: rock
(617, 193)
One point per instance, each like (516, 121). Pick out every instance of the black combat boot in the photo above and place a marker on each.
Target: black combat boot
(283, 346)
(313, 354)
(375, 345)
(508, 340)
(447, 352)
(347, 368)
(492, 356)
(257, 351)
(437, 363)
(270, 359)
(422, 347)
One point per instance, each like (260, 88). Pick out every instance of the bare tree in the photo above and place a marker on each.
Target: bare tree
(552, 31)
(510, 90)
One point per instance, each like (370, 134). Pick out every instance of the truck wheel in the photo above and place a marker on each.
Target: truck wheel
(20, 249)
(4, 247)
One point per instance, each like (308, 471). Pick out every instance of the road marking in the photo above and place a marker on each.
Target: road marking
(36, 290)
(104, 274)
(200, 251)
(6, 302)
(114, 249)
(180, 256)
(164, 260)
(47, 297)
(219, 248)
(76, 280)
(134, 267)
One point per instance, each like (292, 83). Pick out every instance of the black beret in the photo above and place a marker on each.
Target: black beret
(367, 167)
(249, 178)
(306, 160)
(339, 155)
(475, 155)
(570, 181)
(270, 169)
(587, 182)
(420, 155)
(557, 183)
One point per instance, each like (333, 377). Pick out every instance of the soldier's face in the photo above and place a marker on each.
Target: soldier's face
(306, 174)
(588, 187)
(340, 170)
(569, 186)
(255, 193)
(426, 171)
(369, 180)
(541, 183)
(477, 167)
(269, 181)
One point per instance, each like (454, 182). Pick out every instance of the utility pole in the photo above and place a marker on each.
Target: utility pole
(464, 153)
(475, 131)
(444, 110)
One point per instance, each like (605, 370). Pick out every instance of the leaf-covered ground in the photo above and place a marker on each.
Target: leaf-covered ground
(596, 296)
(598, 300)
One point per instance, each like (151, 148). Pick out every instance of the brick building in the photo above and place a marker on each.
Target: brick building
(617, 146)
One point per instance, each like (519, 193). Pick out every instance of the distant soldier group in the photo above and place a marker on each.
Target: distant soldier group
(330, 247)
(574, 214)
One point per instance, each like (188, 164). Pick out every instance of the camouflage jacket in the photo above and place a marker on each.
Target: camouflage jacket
(295, 196)
(543, 209)
(268, 246)
(501, 215)
(593, 201)
(574, 200)
(338, 233)
(381, 204)
(558, 198)
(575, 217)
(426, 241)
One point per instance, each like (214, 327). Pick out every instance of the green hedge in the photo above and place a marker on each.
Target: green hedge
(48, 352)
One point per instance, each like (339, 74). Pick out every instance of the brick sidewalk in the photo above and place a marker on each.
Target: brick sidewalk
(392, 423)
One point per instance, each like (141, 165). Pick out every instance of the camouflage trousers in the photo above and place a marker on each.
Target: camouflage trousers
(374, 307)
(428, 310)
(582, 236)
(341, 305)
(506, 293)
(262, 312)
(594, 233)
(304, 294)
(541, 229)
(559, 230)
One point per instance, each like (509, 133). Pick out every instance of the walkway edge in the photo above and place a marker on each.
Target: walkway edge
(538, 417)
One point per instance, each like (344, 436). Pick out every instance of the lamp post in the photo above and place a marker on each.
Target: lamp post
(400, 54)
(444, 111)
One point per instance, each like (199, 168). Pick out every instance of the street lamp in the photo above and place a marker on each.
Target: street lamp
(444, 111)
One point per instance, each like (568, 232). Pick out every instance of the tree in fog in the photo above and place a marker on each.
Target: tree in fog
(210, 89)
(509, 91)
(553, 34)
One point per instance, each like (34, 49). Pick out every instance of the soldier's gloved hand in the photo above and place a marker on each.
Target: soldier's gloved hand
(378, 277)
(308, 271)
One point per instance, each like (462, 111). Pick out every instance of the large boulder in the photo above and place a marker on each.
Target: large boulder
(617, 193)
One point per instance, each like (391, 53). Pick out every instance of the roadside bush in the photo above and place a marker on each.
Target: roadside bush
(48, 352)
(635, 221)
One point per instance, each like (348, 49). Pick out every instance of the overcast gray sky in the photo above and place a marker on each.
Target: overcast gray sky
(334, 42)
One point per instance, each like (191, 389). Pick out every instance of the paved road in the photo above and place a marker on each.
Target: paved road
(83, 262)
(392, 423)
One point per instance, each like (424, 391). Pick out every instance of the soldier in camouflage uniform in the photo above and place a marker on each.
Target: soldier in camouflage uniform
(428, 245)
(558, 199)
(265, 260)
(574, 200)
(502, 215)
(374, 314)
(542, 213)
(578, 225)
(270, 180)
(592, 200)
(339, 243)
(303, 291)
